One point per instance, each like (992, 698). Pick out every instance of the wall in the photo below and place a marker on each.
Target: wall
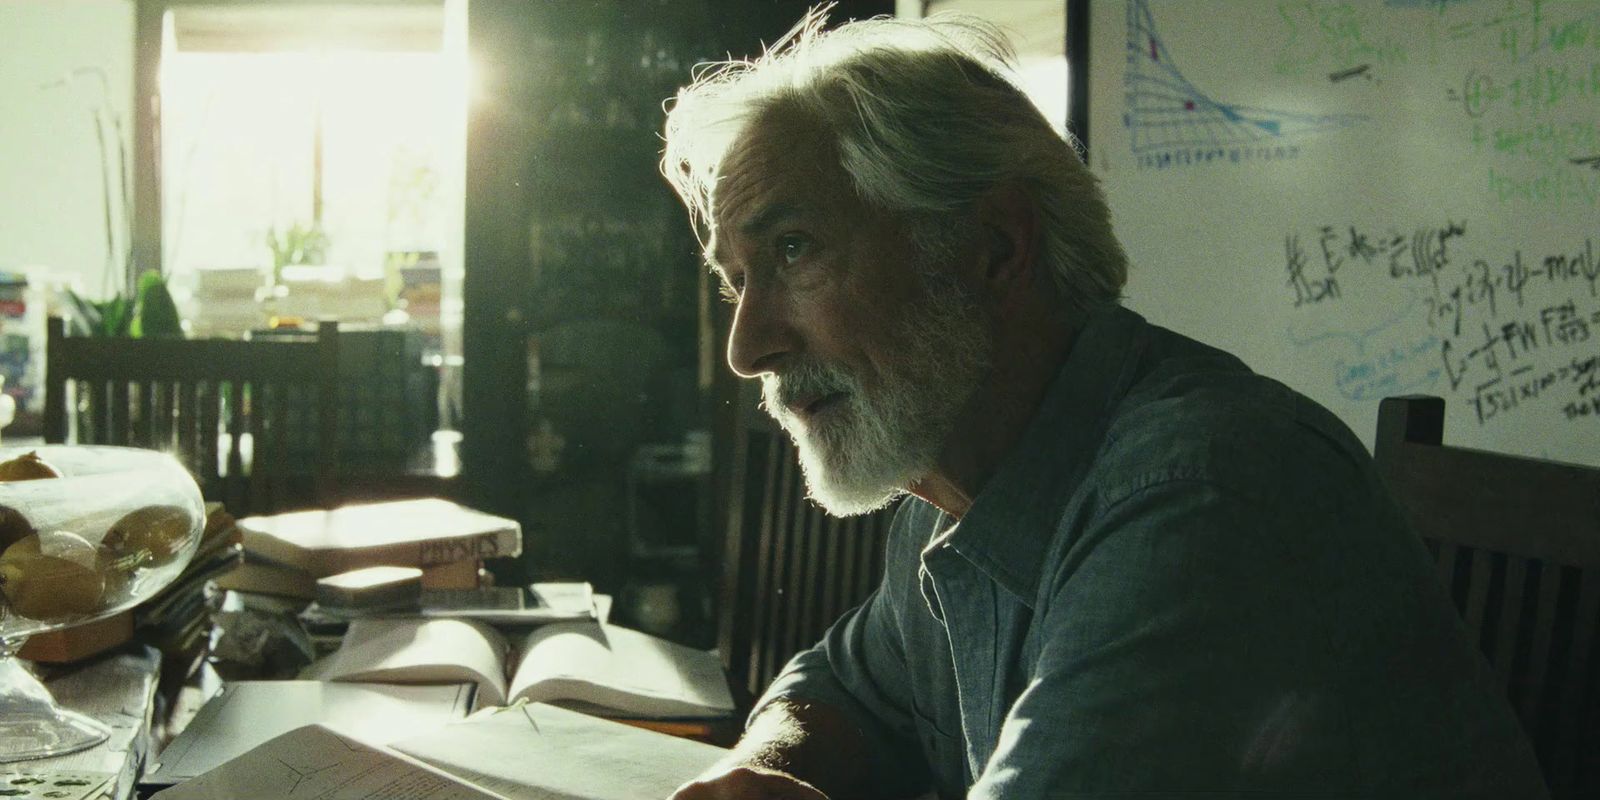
(51, 210)
(1038, 31)
(1365, 198)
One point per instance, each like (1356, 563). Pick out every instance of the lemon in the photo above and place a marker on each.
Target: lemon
(151, 536)
(27, 467)
(52, 577)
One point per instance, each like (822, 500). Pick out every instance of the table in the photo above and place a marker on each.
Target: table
(118, 689)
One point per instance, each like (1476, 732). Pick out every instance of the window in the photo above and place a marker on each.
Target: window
(313, 164)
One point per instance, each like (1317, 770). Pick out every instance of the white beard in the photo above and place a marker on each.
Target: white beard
(870, 448)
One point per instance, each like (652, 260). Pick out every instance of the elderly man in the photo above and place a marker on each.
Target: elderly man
(1130, 567)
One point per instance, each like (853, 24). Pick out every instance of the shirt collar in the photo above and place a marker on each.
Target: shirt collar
(1012, 519)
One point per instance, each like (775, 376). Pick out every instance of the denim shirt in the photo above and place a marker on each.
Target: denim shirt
(1184, 580)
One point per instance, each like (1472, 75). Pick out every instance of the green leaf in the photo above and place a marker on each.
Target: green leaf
(116, 315)
(156, 315)
(85, 319)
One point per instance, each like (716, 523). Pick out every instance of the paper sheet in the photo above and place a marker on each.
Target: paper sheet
(540, 752)
(247, 713)
(314, 763)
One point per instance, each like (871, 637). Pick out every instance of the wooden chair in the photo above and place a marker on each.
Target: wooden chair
(789, 569)
(227, 409)
(1517, 542)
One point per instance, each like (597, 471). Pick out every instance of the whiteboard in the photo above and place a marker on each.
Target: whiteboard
(1364, 198)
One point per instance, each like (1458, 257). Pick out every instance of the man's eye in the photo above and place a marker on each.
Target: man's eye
(793, 246)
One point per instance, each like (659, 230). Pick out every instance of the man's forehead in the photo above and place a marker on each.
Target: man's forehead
(777, 169)
(777, 151)
(751, 222)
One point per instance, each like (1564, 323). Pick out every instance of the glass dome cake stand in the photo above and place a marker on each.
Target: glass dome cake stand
(85, 532)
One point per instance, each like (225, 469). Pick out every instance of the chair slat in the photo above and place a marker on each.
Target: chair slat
(1479, 572)
(844, 568)
(103, 431)
(1510, 622)
(209, 432)
(261, 488)
(238, 491)
(273, 407)
(1448, 555)
(793, 525)
(1543, 628)
(801, 615)
(776, 509)
(121, 421)
(1492, 578)
(145, 432)
(185, 422)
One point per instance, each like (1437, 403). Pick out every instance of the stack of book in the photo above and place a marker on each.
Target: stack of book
(285, 554)
(227, 302)
(18, 362)
(175, 620)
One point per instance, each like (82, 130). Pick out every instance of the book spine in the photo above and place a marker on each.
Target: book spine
(499, 544)
(459, 575)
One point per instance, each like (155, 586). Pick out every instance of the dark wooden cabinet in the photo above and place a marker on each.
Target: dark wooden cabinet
(590, 336)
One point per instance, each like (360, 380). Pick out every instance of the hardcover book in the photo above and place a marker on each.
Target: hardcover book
(406, 533)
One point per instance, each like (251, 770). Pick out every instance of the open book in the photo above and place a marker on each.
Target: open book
(526, 752)
(603, 669)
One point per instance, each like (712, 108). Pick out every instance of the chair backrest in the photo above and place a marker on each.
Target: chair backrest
(226, 409)
(1517, 542)
(789, 569)
(387, 398)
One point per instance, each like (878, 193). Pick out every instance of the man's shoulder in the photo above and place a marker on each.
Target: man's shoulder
(1196, 413)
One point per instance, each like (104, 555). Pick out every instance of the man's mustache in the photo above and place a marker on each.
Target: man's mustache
(800, 383)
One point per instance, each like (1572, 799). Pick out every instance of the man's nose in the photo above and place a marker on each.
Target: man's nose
(762, 337)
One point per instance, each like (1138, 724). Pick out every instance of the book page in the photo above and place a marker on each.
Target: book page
(632, 673)
(245, 714)
(315, 763)
(420, 651)
(539, 752)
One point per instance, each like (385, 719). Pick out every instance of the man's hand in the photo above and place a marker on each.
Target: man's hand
(748, 783)
(790, 751)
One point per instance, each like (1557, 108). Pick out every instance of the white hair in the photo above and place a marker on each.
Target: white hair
(927, 119)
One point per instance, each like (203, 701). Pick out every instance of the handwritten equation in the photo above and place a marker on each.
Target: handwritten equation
(1533, 99)
(1505, 331)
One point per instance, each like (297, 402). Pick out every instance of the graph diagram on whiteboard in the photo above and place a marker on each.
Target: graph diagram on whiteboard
(1172, 122)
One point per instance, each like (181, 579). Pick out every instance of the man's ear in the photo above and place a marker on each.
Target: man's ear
(1009, 220)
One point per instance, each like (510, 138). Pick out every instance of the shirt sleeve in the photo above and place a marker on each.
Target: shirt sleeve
(1176, 655)
(859, 669)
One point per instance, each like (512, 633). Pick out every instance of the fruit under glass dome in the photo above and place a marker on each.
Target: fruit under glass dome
(85, 532)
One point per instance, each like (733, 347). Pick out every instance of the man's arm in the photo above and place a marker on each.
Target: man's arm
(805, 751)
(836, 721)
